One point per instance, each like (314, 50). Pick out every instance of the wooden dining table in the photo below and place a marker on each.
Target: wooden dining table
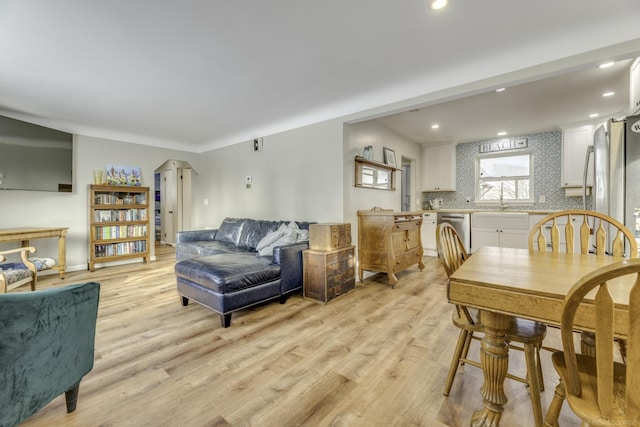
(505, 282)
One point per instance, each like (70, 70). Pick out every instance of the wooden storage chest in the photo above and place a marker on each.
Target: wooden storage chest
(329, 236)
(328, 274)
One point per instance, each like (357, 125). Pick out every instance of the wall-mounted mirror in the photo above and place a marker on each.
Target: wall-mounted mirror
(372, 174)
(34, 157)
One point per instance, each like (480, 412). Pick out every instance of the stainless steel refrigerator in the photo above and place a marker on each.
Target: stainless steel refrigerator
(616, 159)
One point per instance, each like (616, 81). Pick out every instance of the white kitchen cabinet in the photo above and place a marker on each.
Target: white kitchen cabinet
(502, 229)
(439, 168)
(504, 238)
(574, 149)
(429, 234)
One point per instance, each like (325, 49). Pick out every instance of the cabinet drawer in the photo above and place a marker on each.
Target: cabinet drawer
(407, 258)
(406, 225)
(339, 276)
(341, 288)
(340, 258)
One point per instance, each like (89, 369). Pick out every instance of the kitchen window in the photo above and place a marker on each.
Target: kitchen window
(505, 179)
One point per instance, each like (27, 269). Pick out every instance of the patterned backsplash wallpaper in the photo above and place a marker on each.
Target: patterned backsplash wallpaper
(546, 149)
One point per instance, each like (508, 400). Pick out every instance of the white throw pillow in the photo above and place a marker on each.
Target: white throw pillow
(268, 239)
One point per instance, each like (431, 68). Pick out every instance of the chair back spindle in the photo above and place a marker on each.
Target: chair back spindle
(591, 237)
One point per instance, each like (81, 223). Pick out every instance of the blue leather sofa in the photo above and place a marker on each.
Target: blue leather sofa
(229, 268)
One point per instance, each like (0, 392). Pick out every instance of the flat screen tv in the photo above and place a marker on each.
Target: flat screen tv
(34, 157)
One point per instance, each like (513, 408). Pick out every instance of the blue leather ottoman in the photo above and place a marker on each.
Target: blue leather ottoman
(228, 282)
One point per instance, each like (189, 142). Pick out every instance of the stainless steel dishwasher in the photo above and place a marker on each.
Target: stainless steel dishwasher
(462, 224)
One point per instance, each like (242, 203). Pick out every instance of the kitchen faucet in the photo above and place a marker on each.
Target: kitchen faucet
(502, 205)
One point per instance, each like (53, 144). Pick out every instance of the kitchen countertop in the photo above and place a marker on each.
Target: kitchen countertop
(472, 210)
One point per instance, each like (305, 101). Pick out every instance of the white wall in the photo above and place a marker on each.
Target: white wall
(47, 209)
(356, 137)
(304, 174)
(297, 176)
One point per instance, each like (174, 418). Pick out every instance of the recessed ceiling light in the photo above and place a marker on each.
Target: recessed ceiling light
(435, 126)
(437, 4)
(593, 115)
(606, 64)
(502, 133)
(501, 89)
(608, 94)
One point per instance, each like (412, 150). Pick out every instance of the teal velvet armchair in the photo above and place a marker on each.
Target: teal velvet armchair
(46, 347)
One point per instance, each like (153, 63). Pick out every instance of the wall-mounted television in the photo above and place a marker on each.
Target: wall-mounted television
(34, 157)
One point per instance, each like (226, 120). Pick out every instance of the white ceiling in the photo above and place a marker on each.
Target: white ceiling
(538, 106)
(200, 74)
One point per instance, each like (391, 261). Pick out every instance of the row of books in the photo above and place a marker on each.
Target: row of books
(118, 231)
(124, 248)
(120, 199)
(115, 215)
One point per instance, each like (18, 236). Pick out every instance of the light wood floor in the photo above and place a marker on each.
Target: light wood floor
(373, 357)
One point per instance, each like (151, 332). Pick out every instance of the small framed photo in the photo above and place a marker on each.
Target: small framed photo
(389, 156)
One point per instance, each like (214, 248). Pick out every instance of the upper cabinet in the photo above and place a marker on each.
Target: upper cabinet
(439, 168)
(574, 150)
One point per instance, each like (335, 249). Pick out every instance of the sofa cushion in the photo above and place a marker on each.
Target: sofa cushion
(253, 231)
(205, 248)
(225, 273)
(230, 230)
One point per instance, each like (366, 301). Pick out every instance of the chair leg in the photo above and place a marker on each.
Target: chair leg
(553, 413)
(455, 360)
(539, 363)
(71, 397)
(467, 344)
(533, 363)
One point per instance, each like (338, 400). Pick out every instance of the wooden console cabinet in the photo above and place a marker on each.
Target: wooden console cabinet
(389, 241)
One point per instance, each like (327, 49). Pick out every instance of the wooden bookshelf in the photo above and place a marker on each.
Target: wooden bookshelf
(119, 226)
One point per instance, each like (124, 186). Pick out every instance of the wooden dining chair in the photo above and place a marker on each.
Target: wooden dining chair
(526, 333)
(598, 389)
(589, 231)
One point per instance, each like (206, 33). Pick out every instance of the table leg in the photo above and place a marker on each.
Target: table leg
(494, 356)
(62, 254)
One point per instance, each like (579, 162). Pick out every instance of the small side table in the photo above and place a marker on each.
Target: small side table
(328, 274)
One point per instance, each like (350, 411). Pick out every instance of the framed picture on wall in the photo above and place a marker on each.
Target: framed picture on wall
(123, 175)
(389, 156)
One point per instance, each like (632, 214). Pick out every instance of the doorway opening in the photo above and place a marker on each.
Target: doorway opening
(173, 201)
(406, 184)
